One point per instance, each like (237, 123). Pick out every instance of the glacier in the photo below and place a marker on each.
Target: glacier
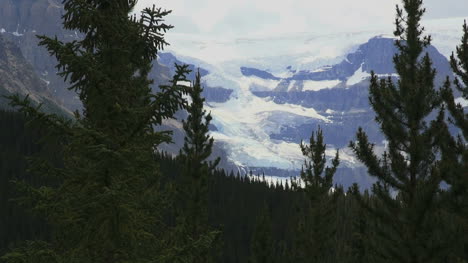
(245, 122)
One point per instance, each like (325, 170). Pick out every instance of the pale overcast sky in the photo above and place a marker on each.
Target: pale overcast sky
(250, 18)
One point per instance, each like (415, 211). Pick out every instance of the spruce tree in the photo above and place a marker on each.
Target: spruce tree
(455, 150)
(409, 167)
(316, 228)
(361, 226)
(198, 143)
(262, 245)
(107, 204)
(317, 179)
(196, 173)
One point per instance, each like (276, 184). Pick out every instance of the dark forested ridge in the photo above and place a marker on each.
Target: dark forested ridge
(236, 207)
(235, 202)
(17, 144)
(97, 188)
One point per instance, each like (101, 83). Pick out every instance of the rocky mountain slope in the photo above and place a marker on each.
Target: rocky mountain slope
(29, 69)
(340, 91)
(276, 103)
(17, 76)
(262, 107)
(20, 22)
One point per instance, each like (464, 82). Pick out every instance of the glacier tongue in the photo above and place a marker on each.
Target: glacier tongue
(246, 122)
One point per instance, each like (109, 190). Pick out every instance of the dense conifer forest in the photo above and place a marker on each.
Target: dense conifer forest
(95, 188)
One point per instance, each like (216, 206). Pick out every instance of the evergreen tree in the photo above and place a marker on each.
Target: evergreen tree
(317, 179)
(106, 206)
(408, 168)
(196, 173)
(197, 143)
(262, 245)
(363, 227)
(316, 228)
(455, 150)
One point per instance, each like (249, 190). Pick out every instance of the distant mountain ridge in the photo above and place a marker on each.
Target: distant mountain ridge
(259, 117)
(377, 55)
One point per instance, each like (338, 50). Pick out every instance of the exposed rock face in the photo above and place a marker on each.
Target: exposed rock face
(29, 69)
(166, 62)
(21, 21)
(346, 105)
(17, 75)
(24, 16)
(377, 55)
(217, 94)
(169, 60)
(246, 71)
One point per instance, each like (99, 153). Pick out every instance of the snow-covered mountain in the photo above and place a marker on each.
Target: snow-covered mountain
(278, 100)
(265, 94)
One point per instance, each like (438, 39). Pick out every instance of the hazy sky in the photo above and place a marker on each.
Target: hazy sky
(250, 18)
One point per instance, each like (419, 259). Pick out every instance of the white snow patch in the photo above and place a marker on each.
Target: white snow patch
(358, 76)
(246, 121)
(285, 74)
(291, 85)
(313, 85)
(46, 81)
(387, 75)
(184, 83)
(16, 33)
(2, 30)
(386, 36)
(356, 111)
(361, 75)
(290, 50)
(463, 102)
(274, 180)
(322, 69)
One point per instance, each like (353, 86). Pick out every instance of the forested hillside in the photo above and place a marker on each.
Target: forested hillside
(97, 187)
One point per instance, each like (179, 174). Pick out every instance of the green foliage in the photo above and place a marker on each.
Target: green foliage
(106, 206)
(198, 144)
(262, 248)
(17, 143)
(317, 179)
(409, 167)
(454, 150)
(32, 252)
(106, 192)
(196, 173)
(459, 63)
(316, 228)
(234, 207)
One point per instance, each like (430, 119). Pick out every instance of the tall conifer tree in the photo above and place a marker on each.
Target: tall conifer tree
(316, 228)
(196, 173)
(262, 245)
(107, 205)
(409, 167)
(455, 150)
